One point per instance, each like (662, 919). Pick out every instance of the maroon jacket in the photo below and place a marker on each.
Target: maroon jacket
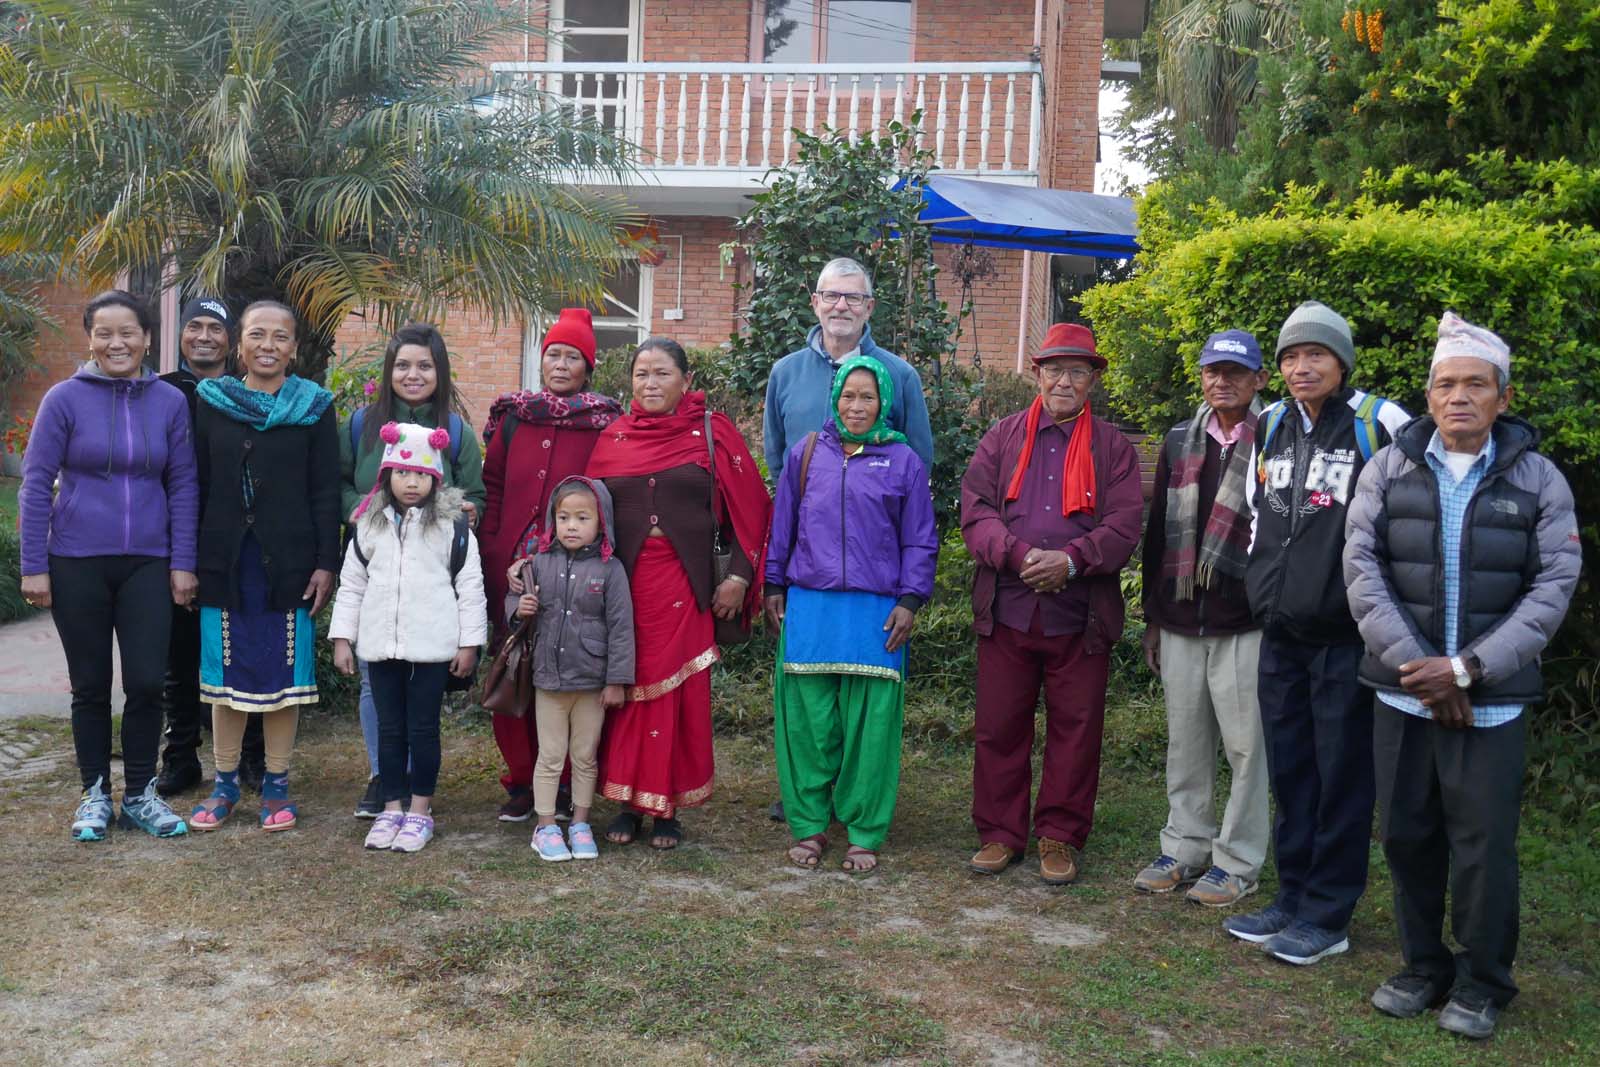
(1099, 555)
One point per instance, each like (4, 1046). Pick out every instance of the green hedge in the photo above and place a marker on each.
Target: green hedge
(12, 606)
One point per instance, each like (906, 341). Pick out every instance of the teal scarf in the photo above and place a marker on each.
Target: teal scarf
(298, 402)
(880, 434)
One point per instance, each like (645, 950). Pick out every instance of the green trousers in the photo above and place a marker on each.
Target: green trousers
(837, 738)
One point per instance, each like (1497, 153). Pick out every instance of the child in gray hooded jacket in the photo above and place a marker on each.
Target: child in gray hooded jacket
(583, 654)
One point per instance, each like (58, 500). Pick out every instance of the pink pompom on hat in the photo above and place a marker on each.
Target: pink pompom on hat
(409, 447)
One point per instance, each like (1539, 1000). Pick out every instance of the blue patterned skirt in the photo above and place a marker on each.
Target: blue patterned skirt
(257, 659)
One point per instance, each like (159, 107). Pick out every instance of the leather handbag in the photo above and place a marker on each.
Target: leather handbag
(508, 684)
(734, 631)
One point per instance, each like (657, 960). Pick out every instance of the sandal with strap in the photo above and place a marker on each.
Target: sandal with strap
(668, 830)
(212, 812)
(272, 809)
(807, 852)
(624, 828)
(858, 860)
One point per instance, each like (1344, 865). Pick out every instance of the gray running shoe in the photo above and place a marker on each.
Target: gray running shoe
(89, 822)
(148, 812)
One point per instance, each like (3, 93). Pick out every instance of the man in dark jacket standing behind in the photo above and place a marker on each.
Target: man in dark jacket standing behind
(1200, 636)
(205, 347)
(1315, 715)
(1462, 555)
(1050, 510)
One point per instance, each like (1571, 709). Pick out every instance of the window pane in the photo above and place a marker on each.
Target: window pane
(869, 31)
(788, 33)
(622, 294)
(609, 337)
(591, 13)
(595, 48)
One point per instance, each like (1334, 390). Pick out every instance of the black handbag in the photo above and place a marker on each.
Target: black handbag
(734, 631)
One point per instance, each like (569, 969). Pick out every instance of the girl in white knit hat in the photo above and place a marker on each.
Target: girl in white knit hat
(411, 599)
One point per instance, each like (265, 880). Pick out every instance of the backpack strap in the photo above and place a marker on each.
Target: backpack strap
(1367, 425)
(458, 547)
(1274, 416)
(354, 545)
(805, 460)
(455, 439)
(356, 420)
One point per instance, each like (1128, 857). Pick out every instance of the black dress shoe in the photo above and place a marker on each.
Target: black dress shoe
(251, 774)
(178, 776)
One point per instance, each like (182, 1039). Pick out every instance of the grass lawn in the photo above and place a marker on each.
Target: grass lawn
(221, 947)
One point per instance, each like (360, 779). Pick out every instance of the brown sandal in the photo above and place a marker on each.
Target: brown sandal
(854, 857)
(807, 852)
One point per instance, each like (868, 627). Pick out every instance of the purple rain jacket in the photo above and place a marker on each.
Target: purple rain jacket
(124, 453)
(865, 523)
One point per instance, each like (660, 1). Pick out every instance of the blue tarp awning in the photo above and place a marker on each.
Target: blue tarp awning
(998, 215)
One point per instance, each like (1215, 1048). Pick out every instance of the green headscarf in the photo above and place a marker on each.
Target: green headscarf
(880, 433)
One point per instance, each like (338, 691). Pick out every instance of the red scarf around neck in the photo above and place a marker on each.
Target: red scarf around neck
(1077, 472)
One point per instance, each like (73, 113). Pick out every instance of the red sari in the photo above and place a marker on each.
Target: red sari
(656, 753)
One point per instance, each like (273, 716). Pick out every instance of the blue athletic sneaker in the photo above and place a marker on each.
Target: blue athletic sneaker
(1258, 926)
(580, 840)
(148, 812)
(89, 822)
(549, 843)
(1303, 944)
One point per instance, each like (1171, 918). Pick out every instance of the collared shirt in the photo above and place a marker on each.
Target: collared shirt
(1454, 496)
(1035, 518)
(1232, 437)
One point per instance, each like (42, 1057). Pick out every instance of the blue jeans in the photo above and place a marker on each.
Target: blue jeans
(368, 711)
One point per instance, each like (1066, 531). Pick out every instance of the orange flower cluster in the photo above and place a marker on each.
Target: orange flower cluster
(1367, 27)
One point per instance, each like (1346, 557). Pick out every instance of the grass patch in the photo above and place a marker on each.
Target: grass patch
(715, 980)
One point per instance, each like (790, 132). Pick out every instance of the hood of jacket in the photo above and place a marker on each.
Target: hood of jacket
(91, 372)
(605, 545)
(868, 346)
(1513, 435)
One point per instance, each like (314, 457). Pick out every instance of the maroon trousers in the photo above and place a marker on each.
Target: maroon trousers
(1012, 666)
(518, 741)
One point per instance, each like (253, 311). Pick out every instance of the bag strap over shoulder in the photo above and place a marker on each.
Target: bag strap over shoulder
(717, 548)
(805, 461)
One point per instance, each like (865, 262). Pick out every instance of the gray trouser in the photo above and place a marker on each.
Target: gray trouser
(1210, 685)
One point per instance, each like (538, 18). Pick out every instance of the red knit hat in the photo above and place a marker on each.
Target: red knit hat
(1068, 340)
(574, 327)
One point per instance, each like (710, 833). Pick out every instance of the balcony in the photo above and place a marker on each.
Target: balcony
(707, 133)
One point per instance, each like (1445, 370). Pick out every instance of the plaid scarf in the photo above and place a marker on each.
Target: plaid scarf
(585, 410)
(1225, 546)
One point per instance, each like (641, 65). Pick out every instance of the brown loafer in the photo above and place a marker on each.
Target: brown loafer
(994, 858)
(1058, 862)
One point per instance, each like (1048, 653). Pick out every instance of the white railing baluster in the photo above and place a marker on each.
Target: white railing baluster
(767, 85)
(855, 83)
(899, 98)
(922, 111)
(577, 98)
(877, 105)
(700, 131)
(938, 134)
(811, 105)
(961, 124)
(683, 114)
(983, 126)
(744, 123)
(788, 116)
(833, 98)
(722, 124)
(1011, 118)
(661, 112)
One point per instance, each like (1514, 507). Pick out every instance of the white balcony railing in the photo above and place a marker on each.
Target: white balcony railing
(977, 118)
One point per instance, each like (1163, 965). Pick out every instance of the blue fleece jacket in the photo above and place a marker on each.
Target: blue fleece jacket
(797, 399)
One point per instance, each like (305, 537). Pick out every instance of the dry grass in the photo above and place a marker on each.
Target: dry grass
(302, 949)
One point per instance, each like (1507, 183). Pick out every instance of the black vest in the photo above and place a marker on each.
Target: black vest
(1499, 555)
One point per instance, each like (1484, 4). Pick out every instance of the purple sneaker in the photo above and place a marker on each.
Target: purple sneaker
(580, 838)
(415, 832)
(385, 825)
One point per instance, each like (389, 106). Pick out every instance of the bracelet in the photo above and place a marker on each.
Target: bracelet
(738, 578)
(1072, 569)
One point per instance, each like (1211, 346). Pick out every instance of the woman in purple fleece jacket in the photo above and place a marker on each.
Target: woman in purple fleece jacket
(849, 563)
(109, 550)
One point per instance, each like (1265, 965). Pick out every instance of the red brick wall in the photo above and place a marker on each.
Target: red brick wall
(1075, 82)
(58, 351)
(708, 297)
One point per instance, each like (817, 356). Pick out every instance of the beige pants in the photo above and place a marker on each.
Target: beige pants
(1210, 685)
(569, 728)
(277, 735)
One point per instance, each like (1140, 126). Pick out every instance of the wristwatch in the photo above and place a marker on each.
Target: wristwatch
(1463, 679)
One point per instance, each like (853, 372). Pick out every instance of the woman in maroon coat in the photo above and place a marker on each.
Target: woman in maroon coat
(531, 442)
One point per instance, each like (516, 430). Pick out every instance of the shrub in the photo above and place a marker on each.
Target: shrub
(12, 606)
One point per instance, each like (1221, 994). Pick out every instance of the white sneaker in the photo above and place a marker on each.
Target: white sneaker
(415, 832)
(385, 825)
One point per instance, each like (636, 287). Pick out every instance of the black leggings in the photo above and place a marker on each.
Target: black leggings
(91, 597)
(408, 696)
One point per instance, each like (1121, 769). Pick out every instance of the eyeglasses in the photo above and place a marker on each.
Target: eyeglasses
(1051, 372)
(854, 301)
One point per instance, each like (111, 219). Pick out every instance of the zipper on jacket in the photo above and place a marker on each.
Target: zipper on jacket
(1302, 463)
(127, 489)
(844, 547)
(566, 598)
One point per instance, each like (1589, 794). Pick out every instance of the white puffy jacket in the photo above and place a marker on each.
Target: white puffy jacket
(401, 604)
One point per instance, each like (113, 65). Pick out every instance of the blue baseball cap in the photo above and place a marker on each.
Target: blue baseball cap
(1231, 346)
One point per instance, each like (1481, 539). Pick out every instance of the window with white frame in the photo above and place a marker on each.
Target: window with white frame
(621, 320)
(834, 31)
(595, 31)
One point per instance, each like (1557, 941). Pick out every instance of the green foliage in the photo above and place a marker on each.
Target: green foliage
(714, 370)
(12, 606)
(839, 199)
(335, 155)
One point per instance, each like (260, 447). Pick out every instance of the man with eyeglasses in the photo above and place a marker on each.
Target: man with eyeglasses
(801, 382)
(1050, 510)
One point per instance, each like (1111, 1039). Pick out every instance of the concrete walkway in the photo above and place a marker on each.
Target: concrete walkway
(33, 671)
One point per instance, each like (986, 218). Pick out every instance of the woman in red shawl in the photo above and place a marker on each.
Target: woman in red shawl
(656, 756)
(532, 442)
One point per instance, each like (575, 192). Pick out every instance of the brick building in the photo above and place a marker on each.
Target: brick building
(1009, 90)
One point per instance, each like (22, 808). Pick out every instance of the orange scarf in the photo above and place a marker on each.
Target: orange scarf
(1077, 472)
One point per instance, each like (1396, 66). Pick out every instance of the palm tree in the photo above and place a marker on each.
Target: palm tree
(338, 154)
(1207, 51)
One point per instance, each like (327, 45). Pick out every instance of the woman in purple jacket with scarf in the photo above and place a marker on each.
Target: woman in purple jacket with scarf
(111, 550)
(850, 562)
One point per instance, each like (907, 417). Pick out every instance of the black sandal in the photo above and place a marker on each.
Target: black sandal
(670, 829)
(623, 829)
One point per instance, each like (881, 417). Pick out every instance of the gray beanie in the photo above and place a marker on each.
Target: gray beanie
(1313, 323)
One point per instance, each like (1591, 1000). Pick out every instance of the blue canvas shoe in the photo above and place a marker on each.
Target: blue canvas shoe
(1303, 944)
(89, 822)
(1258, 926)
(148, 812)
